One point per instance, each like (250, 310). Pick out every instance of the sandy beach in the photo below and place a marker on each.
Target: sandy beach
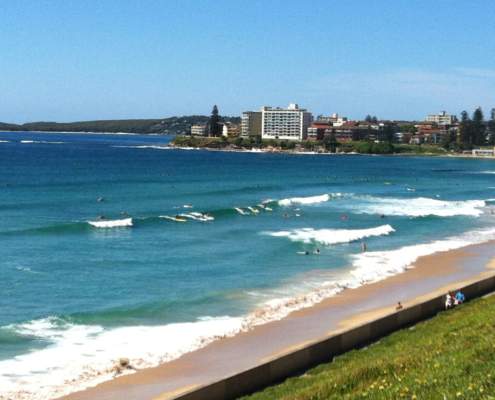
(430, 275)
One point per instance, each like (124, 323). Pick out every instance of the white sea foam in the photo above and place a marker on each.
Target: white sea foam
(40, 141)
(332, 236)
(304, 200)
(415, 207)
(365, 268)
(4, 141)
(114, 223)
(81, 356)
(156, 147)
(374, 266)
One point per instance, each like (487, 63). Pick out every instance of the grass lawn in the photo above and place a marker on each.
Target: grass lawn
(451, 356)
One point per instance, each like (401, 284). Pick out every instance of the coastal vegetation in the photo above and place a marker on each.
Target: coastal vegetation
(451, 356)
(328, 145)
(172, 125)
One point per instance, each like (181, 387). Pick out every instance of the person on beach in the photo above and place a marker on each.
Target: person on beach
(459, 298)
(449, 301)
(399, 306)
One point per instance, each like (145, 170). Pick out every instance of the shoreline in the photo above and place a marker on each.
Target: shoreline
(314, 153)
(435, 274)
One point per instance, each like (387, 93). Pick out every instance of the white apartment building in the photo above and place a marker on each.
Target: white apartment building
(199, 130)
(441, 118)
(289, 123)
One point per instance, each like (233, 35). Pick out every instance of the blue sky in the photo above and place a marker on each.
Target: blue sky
(72, 60)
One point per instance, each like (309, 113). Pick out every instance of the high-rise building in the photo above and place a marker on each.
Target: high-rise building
(251, 123)
(289, 123)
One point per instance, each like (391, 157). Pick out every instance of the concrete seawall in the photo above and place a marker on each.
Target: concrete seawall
(323, 350)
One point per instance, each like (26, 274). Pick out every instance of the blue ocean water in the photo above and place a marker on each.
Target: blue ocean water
(74, 294)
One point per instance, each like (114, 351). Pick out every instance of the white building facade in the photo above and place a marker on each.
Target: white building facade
(199, 130)
(441, 118)
(289, 123)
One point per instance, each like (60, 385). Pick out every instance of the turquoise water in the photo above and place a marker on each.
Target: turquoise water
(71, 291)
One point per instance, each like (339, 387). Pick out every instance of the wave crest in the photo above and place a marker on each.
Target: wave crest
(332, 236)
(304, 200)
(418, 207)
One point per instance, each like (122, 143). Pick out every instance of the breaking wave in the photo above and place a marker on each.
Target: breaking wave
(332, 236)
(304, 200)
(416, 207)
(115, 223)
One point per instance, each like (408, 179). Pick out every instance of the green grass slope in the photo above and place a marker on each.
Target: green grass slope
(451, 356)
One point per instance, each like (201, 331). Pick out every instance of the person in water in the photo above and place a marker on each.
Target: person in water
(364, 247)
(317, 251)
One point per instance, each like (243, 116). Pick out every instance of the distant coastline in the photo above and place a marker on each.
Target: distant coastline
(163, 126)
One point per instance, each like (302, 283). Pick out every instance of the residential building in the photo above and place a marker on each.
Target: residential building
(251, 123)
(483, 152)
(230, 130)
(441, 118)
(334, 119)
(199, 130)
(289, 123)
(318, 130)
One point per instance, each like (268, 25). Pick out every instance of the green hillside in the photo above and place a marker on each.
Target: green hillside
(172, 125)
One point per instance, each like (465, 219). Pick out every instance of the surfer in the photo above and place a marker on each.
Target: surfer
(100, 199)
(317, 251)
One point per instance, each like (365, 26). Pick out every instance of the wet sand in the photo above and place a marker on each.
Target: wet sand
(429, 275)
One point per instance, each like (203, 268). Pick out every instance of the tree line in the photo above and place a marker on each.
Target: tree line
(473, 131)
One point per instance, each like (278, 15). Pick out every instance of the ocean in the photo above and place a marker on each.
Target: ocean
(119, 246)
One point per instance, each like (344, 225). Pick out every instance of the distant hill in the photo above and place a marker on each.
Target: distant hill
(172, 125)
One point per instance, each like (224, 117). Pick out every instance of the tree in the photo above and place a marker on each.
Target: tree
(465, 137)
(478, 127)
(330, 142)
(491, 127)
(214, 127)
(388, 133)
(374, 119)
(368, 118)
